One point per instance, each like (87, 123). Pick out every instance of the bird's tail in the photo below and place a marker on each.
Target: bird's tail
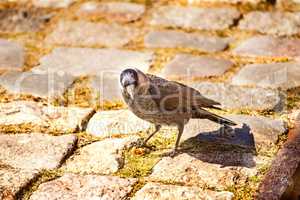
(213, 117)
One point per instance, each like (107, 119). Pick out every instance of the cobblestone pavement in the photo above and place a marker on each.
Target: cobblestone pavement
(65, 133)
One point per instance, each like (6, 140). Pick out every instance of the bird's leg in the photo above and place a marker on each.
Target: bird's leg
(180, 131)
(157, 128)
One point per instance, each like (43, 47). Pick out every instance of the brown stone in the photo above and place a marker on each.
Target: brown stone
(13, 180)
(252, 132)
(71, 186)
(116, 122)
(273, 75)
(237, 97)
(35, 151)
(104, 157)
(174, 39)
(11, 55)
(83, 33)
(268, 46)
(189, 66)
(277, 23)
(225, 1)
(208, 169)
(193, 17)
(23, 20)
(52, 3)
(88, 61)
(45, 85)
(115, 11)
(157, 191)
(28, 116)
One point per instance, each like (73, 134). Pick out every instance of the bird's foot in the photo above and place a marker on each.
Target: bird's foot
(171, 153)
(139, 143)
(227, 132)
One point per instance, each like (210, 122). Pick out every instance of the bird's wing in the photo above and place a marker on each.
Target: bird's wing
(172, 95)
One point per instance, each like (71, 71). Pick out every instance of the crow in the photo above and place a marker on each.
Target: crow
(164, 102)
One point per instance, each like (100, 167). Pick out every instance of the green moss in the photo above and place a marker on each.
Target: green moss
(45, 176)
(138, 165)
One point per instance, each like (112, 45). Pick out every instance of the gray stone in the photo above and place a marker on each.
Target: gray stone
(193, 17)
(35, 151)
(83, 33)
(237, 97)
(173, 39)
(157, 191)
(268, 46)
(116, 11)
(23, 20)
(45, 85)
(71, 187)
(189, 66)
(52, 3)
(11, 55)
(277, 23)
(218, 170)
(25, 116)
(104, 157)
(274, 75)
(107, 87)
(117, 122)
(13, 180)
(252, 132)
(88, 61)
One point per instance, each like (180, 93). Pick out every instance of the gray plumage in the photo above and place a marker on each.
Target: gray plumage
(164, 102)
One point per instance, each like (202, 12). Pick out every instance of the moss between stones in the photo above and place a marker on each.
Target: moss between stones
(137, 165)
(138, 162)
(45, 176)
(248, 190)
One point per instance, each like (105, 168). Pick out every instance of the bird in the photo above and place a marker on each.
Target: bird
(163, 102)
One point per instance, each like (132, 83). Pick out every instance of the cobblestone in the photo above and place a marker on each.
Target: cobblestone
(106, 87)
(277, 23)
(198, 169)
(115, 11)
(88, 161)
(88, 61)
(82, 33)
(188, 66)
(119, 122)
(45, 85)
(268, 46)
(189, 17)
(23, 20)
(156, 191)
(11, 55)
(174, 39)
(13, 180)
(35, 151)
(22, 116)
(225, 1)
(274, 75)
(52, 3)
(71, 186)
(236, 97)
(252, 132)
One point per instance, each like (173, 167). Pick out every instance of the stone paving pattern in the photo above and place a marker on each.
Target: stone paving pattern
(66, 134)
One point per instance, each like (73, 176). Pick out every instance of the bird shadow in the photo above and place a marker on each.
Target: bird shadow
(226, 146)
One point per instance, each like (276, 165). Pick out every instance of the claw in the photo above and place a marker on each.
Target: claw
(139, 143)
(171, 153)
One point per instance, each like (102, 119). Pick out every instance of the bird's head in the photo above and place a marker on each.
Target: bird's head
(132, 81)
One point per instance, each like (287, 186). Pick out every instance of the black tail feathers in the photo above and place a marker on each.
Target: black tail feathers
(213, 117)
(220, 120)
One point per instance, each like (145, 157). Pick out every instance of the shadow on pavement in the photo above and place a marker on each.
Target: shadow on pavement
(226, 146)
